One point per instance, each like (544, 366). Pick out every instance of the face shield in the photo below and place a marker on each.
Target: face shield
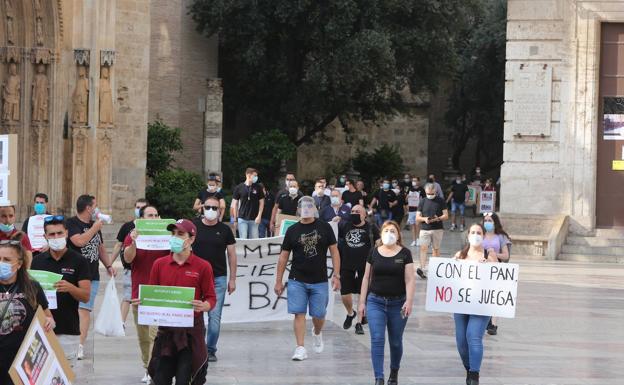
(306, 208)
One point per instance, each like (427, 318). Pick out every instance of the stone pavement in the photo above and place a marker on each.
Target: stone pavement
(568, 329)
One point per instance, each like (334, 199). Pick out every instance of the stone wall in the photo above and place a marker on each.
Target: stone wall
(181, 63)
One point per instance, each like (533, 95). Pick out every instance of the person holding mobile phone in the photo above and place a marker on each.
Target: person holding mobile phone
(389, 282)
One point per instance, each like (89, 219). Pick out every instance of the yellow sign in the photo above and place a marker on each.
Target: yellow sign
(618, 165)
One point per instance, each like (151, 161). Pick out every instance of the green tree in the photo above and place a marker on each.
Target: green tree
(298, 65)
(162, 142)
(384, 162)
(263, 151)
(476, 104)
(173, 193)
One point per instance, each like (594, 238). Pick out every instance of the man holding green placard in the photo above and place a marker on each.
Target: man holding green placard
(67, 272)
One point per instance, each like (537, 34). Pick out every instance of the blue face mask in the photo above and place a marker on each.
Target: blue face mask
(254, 179)
(40, 208)
(177, 244)
(386, 186)
(6, 228)
(335, 201)
(137, 213)
(6, 271)
(489, 226)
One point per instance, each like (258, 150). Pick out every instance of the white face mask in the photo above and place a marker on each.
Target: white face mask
(388, 238)
(475, 239)
(335, 201)
(292, 190)
(211, 215)
(431, 196)
(212, 188)
(57, 244)
(396, 191)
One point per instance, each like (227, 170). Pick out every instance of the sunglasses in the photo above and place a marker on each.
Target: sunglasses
(54, 218)
(488, 214)
(10, 242)
(213, 208)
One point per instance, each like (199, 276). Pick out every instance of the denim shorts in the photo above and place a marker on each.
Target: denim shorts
(455, 206)
(301, 294)
(91, 304)
(411, 218)
(127, 285)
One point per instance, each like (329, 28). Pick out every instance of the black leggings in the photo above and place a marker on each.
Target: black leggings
(179, 366)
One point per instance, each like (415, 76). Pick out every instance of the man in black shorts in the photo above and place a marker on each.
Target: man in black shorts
(356, 238)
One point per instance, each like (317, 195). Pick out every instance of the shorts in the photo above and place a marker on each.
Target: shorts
(455, 205)
(411, 218)
(351, 281)
(127, 285)
(428, 237)
(302, 296)
(95, 285)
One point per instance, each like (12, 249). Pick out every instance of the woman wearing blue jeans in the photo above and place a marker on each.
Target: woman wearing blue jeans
(389, 281)
(470, 328)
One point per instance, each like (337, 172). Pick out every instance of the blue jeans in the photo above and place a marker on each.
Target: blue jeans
(263, 228)
(381, 216)
(469, 331)
(303, 296)
(247, 229)
(214, 315)
(382, 313)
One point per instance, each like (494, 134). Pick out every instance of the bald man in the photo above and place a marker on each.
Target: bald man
(356, 237)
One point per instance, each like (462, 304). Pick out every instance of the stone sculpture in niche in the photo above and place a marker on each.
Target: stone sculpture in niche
(11, 96)
(106, 98)
(38, 23)
(10, 17)
(80, 97)
(40, 95)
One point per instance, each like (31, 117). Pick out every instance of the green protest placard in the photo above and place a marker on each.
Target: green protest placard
(153, 234)
(166, 305)
(45, 278)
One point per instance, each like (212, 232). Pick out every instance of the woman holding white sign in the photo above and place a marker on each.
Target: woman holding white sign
(389, 276)
(470, 328)
(20, 297)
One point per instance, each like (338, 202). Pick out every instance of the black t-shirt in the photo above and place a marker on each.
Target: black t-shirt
(91, 251)
(287, 204)
(14, 325)
(352, 197)
(74, 268)
(399, 209)
(459, 191)
(205, 194)
(432, 208)
(309, 244)
(248, 200)
(269, 202)
(384, 198)
(355, 244)
(388, 273)
(125, 229)
(211, 244)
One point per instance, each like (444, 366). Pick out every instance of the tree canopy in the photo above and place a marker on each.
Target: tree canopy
(297, 65)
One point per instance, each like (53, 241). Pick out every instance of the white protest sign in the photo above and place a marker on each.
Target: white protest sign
(456, 286)
(254, 299)
(35, 232)
(487, 201)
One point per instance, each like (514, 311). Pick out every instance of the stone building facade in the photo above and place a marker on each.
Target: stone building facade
(565, 62)
(80, 81)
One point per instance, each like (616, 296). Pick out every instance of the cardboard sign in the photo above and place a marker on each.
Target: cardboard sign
(153, 234)
(286, 223)
(40, 359)
(456, 286)
(281, 217)
(487, 201)
(254, 299)
(473, 194)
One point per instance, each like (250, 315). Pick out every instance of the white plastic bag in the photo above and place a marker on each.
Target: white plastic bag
(109, 322)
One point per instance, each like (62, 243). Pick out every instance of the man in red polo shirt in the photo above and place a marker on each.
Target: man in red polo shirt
(8, 231)
(182, 352)
(142, 261)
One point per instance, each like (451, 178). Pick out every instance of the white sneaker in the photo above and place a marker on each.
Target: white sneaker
(413, 243)
(462, 228)
(146, 378)
(300, 354)
(80, 354)
(453, 227)
(318, 341)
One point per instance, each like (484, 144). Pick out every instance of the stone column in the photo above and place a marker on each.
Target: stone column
(105, 131)
(80, 124)
(213, 127)
(40, 117)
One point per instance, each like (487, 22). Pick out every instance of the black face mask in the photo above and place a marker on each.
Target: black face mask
(430, 180)
(356, 219)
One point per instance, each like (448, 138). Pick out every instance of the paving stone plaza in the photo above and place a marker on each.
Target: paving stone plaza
(568, 330)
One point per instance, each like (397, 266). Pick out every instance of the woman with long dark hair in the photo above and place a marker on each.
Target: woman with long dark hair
(389, 281)
(496, 241)
(20, 297)
(470, 328)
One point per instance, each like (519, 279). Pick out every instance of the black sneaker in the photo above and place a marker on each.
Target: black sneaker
(212, 357)
(492, 330)
(421, 273)
(364, 320)
(349, 320)
(359, 329)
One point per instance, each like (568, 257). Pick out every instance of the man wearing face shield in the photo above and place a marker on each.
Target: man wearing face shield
(212, 241)
(308, 240)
